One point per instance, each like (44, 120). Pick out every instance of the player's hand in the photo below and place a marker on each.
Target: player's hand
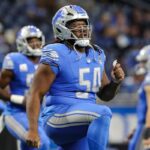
(32, 139)
(146, 143)
(117, 72)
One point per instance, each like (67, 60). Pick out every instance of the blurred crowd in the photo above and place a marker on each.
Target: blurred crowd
(120, 27)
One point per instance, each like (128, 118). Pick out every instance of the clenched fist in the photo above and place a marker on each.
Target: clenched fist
(32, 139)
(117, 72)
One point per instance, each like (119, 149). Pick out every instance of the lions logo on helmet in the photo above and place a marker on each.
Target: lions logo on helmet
(65, 15)
(23, 46)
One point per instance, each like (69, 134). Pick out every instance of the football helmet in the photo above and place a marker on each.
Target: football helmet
(70, 13)
(22, 43)
(143, 54)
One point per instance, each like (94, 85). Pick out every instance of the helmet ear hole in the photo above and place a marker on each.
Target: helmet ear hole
(70, 14)
(58, 30)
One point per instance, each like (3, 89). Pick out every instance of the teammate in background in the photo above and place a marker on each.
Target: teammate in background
(142, 132)
(17, 73)
(138, 76)
(2, 108)
(72, 72)
(132, 83)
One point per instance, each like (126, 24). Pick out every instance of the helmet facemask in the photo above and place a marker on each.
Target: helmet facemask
(85, 35)
(35, 47)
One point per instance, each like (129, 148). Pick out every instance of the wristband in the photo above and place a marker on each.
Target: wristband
(146, 133)
(17, 99)
(115, 82)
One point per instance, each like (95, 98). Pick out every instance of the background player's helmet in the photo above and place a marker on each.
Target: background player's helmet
(65, 15)
(143, 54)
(22, 44)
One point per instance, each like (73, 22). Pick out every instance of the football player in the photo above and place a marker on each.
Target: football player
(142, 132)
(17, 73)
(72, 72)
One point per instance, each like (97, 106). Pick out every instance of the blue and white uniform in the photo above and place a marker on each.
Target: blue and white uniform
(2, 106)
(72, 118)
(15, 115)
(141, 114)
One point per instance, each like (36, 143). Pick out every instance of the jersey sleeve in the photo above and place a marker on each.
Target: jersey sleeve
(8, 62)
(103, 56)
(52, 58)
(101, 53)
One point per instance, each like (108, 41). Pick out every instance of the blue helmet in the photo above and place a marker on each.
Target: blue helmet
(65, 15)
(22, 44)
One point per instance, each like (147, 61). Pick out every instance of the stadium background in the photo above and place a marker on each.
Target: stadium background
(120, 27)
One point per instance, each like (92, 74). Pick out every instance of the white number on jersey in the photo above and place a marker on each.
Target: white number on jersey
(87, 83)
(29, 79)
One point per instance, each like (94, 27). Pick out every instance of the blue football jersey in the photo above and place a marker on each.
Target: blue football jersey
(142, 104)
(2, 106)
(23, 69)
(78, 75)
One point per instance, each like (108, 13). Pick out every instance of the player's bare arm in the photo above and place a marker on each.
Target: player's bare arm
(41, 82)
(5, 78)
(110, 88)
(147, 89)
(146, 135)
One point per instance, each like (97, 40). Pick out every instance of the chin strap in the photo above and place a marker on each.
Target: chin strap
(82, 42)
(80, 56)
